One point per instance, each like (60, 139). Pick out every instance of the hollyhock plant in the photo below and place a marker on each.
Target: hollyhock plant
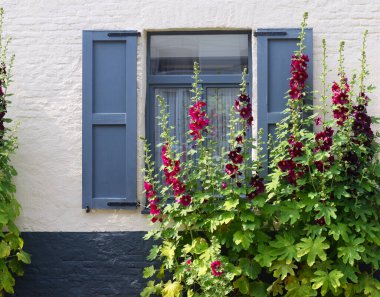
(204, 199)
(309, 228)
(322, 183)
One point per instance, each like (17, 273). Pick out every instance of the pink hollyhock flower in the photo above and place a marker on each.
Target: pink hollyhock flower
(188, 262)
(216, 268)
(224, 185)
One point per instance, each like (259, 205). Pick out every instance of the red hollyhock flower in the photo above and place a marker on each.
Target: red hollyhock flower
(216, 268)
(178, 187)
(198, 120)
(239, 139)
(185, 200)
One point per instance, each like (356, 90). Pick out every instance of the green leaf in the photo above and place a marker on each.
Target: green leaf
(284, 248)
(312, 248)
(339, 230)
(377, 170)
(23, 257)
(5, 249)
(6, 280)
(264, 256)
(352, 250)
(258, 289)
(231, 203)
(225, 218)
(281, 269)
(16, 267)
(328, 281)
(327, 212)
(199, 245)
(289, 213)
(172, 289)
(249, 267)
(295, 289)
(242, 284)
(149, 271)
(153, 252)
(242, 238)
(150, 289)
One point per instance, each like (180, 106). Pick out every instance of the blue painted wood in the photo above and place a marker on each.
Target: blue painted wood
(273, 71)
(109, 118)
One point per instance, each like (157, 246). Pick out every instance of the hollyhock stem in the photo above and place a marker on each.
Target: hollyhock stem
(363, 60)
(323, 80)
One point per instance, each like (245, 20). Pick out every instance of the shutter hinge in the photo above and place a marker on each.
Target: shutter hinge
(122, 204)
(261, 33)
(123, 34)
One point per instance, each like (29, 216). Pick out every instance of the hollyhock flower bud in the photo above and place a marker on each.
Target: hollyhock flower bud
(318, 121)
(239, 139)
(224, 185)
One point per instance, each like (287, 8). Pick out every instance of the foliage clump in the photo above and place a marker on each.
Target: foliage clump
(12, 255)
(311, 230)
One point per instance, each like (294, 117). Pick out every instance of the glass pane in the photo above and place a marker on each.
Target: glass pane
(178, 100)
(216, 53)
(219, 103)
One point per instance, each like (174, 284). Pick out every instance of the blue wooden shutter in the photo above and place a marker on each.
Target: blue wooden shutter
(109, 119)
(274, 50)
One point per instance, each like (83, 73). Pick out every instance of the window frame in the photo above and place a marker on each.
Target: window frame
(185, 80)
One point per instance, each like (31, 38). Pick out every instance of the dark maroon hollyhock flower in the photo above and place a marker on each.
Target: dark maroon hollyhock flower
(331, 159)
(244, 98)
(232, 154)
(296, 150)
(216, 268)
(320, 221)
(238, 184)
(292, 177)
(224, 185)
(286, 165)
(319, 165)
(231, 170)
(238, 149)
(246, 111)
(364, 97)
(318, 121)
(185, 200)
(239, 139)
(250, 121)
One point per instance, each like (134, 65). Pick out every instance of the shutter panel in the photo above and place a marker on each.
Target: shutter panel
(109, 119)
(274, 50)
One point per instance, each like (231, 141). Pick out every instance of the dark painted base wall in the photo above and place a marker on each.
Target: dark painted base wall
(92, 264)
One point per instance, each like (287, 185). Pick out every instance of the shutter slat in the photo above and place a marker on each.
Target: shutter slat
(109, 120)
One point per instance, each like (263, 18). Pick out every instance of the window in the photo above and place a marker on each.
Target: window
(222, 57)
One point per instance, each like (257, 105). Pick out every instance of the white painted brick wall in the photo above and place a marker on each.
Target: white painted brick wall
(48, 47)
